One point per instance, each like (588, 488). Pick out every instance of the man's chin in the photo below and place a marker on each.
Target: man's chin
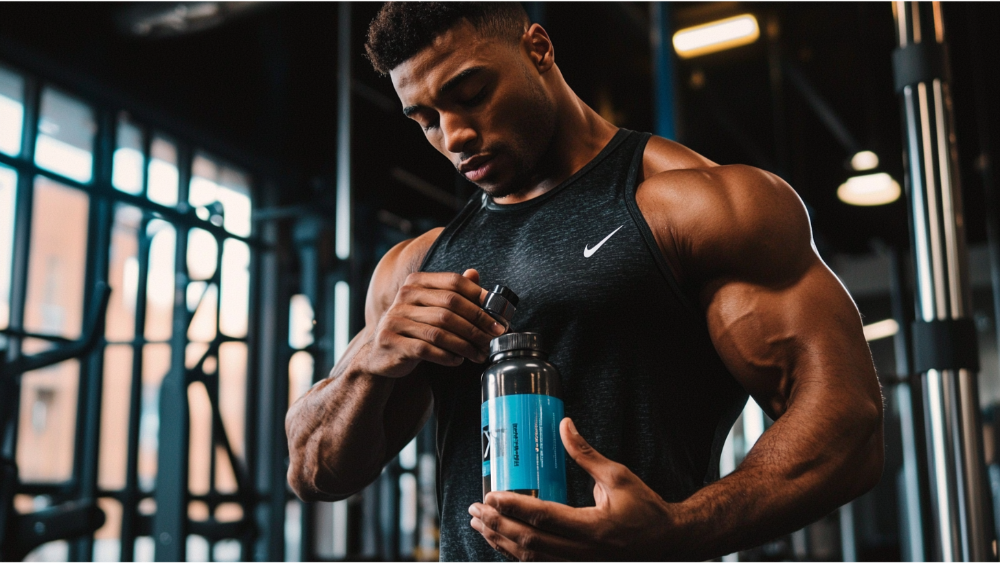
(501, 190)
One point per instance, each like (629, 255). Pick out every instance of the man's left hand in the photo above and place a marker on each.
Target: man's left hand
(629, 521)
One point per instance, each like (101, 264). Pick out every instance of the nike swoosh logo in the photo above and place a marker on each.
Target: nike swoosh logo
(588, 252)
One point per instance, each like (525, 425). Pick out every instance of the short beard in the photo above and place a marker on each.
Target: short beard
(528, 152)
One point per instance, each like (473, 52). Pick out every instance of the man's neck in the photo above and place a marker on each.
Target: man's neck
(580, 135)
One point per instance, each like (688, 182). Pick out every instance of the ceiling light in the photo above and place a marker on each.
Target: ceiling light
(716, 36)
(864, 160)
(881, 329)
(870, 189)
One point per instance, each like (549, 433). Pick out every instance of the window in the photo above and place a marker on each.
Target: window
(132, 209)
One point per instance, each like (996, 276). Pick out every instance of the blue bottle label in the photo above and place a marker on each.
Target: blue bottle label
(526, 454)
(485, 415)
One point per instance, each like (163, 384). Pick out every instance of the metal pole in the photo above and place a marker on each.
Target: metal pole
(944, 338)
(663, 70)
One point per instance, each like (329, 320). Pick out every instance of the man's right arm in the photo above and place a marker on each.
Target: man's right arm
(348, 426)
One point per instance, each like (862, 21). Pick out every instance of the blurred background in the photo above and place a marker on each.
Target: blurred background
(234, 172)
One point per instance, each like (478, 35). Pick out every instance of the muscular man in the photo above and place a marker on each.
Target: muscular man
(668, 287)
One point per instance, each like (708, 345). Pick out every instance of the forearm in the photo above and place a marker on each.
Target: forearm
(807, 464)
(336, 432)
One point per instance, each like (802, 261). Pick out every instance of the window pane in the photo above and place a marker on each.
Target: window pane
(11, 111)
(235, 308)
(8, 201)
(203, 252)
(65, 136)
(202, 327)
(114, 416)
(160, 280)
(212, 183)
(129, 161)
(47, 422)
(58, 260)
(163, 180)
(123, 273)
(232, 392)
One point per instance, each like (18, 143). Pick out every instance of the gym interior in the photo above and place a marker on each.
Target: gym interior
(194, 197)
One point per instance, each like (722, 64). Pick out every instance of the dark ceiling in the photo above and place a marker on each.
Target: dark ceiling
(261, 89)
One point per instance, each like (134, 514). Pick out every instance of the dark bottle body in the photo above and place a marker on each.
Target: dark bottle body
(521, 410)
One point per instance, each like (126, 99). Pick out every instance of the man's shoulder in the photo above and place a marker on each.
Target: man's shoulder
(402, 260)
(715, 217)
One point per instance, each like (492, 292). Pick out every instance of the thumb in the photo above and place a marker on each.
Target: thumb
(603, 470)
(473, 275)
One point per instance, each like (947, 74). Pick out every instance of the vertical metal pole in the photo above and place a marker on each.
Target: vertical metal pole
(170, 520)
(91, 367)
(663, 71)
(951, 401)
(912, 528)
(344, 212)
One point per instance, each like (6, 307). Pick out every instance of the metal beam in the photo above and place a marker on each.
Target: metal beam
(664, 99)
(951, 396)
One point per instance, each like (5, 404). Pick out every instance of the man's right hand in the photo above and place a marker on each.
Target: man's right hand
(435, 317)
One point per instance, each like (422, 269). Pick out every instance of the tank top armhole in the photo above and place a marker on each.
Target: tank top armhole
(475, 202)
(631, 187)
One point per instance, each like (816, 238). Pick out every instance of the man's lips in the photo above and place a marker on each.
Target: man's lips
(476, 168)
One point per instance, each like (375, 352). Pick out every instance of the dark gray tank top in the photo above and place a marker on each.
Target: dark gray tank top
(640, 376)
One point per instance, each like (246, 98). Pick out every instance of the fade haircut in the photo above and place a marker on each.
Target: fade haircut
(402, 29)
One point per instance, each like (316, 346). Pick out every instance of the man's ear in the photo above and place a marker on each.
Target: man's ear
(536, 41)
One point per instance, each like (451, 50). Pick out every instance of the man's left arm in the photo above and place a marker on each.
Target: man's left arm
(788, 332)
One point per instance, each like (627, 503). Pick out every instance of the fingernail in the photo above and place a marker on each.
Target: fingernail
(572, 427)
(474, 510)
(497, 329)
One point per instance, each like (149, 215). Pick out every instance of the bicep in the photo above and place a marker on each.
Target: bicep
(779, 339)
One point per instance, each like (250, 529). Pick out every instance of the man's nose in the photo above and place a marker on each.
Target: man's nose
(458, 134)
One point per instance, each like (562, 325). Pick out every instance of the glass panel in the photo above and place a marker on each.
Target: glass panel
(58, 258)
(123, 273)
(155, 364)
(300, 322)
(232, 392)
(163, 180)
(11, 111)
(225, 478)
(212, 183)
(129, 160)
(8, 201)
(160, 280)
(52, 551)
(235, 288)
(197, 548)
(226, 550)
(193, 354)
(65, 142)
(202, 328)
(47, 422)
(114, 416)
(234, 195)
(200, 446)
(203, 253)
(107, 542)
(300, 374)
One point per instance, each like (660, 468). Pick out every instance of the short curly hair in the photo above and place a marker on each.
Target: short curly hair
(402, 29)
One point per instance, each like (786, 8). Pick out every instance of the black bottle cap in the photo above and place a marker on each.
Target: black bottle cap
(516, 341)
(501, 304)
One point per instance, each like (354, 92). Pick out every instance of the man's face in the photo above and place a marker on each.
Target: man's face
(481, 103)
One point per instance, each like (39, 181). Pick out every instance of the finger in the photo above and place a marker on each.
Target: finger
(604, 471)
(450, 281)
(440, 338)
(519, 540)
(448, 320)
(473, 275)
(553, 517)
(421, 350)
(459, 305)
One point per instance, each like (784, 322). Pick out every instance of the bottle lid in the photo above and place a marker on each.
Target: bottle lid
(516, 341)
(501, 304)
